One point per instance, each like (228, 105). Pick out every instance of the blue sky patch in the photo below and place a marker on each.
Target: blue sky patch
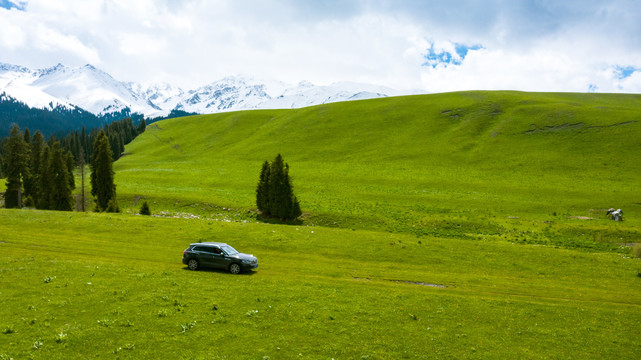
(436, 57)
(622, 72)
(7, 4)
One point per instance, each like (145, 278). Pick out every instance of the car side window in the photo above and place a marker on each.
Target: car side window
(208, 249)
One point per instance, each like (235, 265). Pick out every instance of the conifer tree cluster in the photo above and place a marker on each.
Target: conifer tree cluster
(274, 193)
(37, 170)
(38, 174)
(119, 134)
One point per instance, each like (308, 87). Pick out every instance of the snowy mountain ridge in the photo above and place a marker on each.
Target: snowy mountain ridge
(99, 93)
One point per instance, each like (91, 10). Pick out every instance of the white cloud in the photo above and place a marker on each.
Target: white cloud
(141, 44)
(528, 45)
(11, 35)
(33, 38)
(50, 40)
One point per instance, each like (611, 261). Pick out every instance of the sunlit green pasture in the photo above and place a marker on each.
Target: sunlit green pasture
(459, 164)
(112, 286)
(463, 225)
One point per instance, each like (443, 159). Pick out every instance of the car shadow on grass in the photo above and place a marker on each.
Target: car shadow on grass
(221, 271)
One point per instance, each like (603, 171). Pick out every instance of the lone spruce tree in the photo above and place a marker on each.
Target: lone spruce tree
(102, 175)
(16, 159)
(280, 201)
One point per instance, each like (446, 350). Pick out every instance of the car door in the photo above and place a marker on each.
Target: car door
(204, 255)
(219, 259)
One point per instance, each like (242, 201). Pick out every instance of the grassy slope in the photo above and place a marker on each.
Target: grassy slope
(427, 165)
(448, 168)
(114, 285)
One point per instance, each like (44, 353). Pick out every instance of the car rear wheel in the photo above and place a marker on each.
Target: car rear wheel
(192, 264)
(234, 269)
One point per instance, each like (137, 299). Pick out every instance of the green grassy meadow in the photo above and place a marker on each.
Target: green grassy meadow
(460, 225)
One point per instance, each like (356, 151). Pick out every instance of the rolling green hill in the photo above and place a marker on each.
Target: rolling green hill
(438, 164)
(462, 225)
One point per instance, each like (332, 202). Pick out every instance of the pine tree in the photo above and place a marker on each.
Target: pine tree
(60, 195)
(282, 202)
(84, 141)
(81, 164)
(44, 181)
(70, 165)
(32, 187)
(292, 205)
(142, 126)
(27, 175)
(27, 136)
(144, 209)
(102, 175)
(16, 158)
(262, 190)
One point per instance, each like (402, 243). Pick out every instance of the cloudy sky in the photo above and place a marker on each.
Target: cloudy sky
(434, 46)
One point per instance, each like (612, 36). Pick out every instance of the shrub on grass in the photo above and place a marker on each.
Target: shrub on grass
(112, 206)
(144, 209)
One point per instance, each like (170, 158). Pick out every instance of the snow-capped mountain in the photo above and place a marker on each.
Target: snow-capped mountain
(307, 94)
(230, 93)
(98, 92)
(163, 95)
(16, 81)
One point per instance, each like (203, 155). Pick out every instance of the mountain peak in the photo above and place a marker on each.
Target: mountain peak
(51, 70)
(4, 67)
(98, 92)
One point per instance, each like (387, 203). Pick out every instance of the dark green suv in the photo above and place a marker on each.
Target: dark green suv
(218, 256)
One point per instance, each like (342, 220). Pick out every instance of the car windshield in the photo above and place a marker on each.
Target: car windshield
(229, 250)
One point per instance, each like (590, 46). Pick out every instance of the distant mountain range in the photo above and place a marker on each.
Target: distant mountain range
(91, 89)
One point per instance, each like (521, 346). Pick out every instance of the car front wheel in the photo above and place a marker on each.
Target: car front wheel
(234, 269)
(192, 264)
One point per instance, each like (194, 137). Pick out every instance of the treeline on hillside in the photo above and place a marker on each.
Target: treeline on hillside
(119, 134)
(60, 119)
(80, 143)
(48, 121)
(40, 173)
(172, 114)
